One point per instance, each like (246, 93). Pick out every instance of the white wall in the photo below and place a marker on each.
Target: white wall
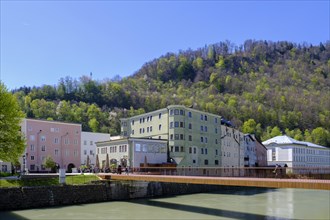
(88, 145)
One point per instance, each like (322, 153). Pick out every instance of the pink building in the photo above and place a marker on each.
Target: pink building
(61, 141)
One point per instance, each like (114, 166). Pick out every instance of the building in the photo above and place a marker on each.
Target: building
(61, 141)
(250, 152)
(193, 136)
(261, 153)
(232, 146)
(6, 167)
(286, 151)
(88, 146)
(131, 152)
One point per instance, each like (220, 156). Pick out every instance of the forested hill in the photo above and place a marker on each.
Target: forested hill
(262, 87)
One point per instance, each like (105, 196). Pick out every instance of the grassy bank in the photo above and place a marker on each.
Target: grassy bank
(71, 180)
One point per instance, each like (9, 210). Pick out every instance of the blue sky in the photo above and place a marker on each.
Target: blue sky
(42, 41)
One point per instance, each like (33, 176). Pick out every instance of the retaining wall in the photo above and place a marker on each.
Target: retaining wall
(48, 196)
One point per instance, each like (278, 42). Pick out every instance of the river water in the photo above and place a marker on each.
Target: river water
(254, 203)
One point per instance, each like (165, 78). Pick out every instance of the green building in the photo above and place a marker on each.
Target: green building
(193, 136)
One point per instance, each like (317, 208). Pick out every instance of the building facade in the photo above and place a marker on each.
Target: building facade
(131, 152)
(261, 153)
(286, 151)
(250, 152)
(61, 141)
(88, 146)
(193, 136)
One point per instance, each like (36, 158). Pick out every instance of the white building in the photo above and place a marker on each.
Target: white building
(131, 152)
(88, 146)
(283, 150)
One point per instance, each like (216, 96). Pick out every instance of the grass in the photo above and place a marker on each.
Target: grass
(70, 180)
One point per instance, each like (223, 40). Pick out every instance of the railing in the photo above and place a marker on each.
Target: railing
(251, 172)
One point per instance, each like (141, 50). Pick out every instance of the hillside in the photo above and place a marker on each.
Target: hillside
(262, 87)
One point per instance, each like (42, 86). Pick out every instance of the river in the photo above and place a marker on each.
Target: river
(254, 203)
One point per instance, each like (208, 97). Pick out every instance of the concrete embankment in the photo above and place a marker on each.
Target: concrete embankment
(47, 196)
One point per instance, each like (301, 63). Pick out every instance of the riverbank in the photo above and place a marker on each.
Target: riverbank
(18, 198)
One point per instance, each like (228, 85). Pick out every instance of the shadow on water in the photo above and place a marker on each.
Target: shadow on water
(11, 216)
(205, 211)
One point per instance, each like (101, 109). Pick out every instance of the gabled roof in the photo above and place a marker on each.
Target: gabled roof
(284, 139)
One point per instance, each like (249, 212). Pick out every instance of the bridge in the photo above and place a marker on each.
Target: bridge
(228, 181)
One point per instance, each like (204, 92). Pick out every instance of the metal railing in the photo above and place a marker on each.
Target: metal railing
(250, 172)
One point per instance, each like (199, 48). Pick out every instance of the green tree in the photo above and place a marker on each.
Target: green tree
(50, 163)
(321, 136)
(12, 143)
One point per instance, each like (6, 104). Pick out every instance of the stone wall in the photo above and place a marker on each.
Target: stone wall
(47, 196)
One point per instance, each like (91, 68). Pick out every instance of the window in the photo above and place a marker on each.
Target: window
(190, 150)
(137, 147)
(202, 139)
(91, 143)
(202, 117)
(43, 148)
(55, 140)
(176, 124)
(181, 124)
(85, 142)
(195, 150)
(194, 161)
(181, 137)
(75, 153)
(43, 138)
(216, 151)
(85, 152)
(171, 137)
(32, 138)
(202, 150)
(216, 120)
(32, 147)
(190, 126)
(189, 115)
(182, 149)
(190, 138)
(205, 128)
(216, 141)
(176, 136)
(160, 115)
(67, 152)
(159, 127)
(206, 162)
(56, 152)
(171, 124)
(205, 150)
(216, 130)
(132, 122)
(150, 128)
(202, 128)
(66, 141)
(32, 157)
(147, 129)
(205, 117)
(205, 139)
(176, 111)
(151, 118)
(181, 112)
(176, 148)
(75, 141)
(216, 162)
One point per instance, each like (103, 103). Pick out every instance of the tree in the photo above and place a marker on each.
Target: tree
(12, 143)
(50, 163)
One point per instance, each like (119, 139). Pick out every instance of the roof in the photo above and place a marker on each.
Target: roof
(284, 139)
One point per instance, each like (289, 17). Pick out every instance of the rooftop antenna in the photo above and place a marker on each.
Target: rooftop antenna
(91, 75)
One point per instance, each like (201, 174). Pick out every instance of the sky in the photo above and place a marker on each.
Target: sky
(43, 41)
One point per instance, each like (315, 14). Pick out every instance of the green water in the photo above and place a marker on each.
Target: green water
(254, 203)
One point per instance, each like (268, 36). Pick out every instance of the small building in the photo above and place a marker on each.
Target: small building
(88, 146)
(288, 152)
(5, 167)
(131, 152)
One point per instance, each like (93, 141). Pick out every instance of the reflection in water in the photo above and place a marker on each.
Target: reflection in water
(238, 203)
